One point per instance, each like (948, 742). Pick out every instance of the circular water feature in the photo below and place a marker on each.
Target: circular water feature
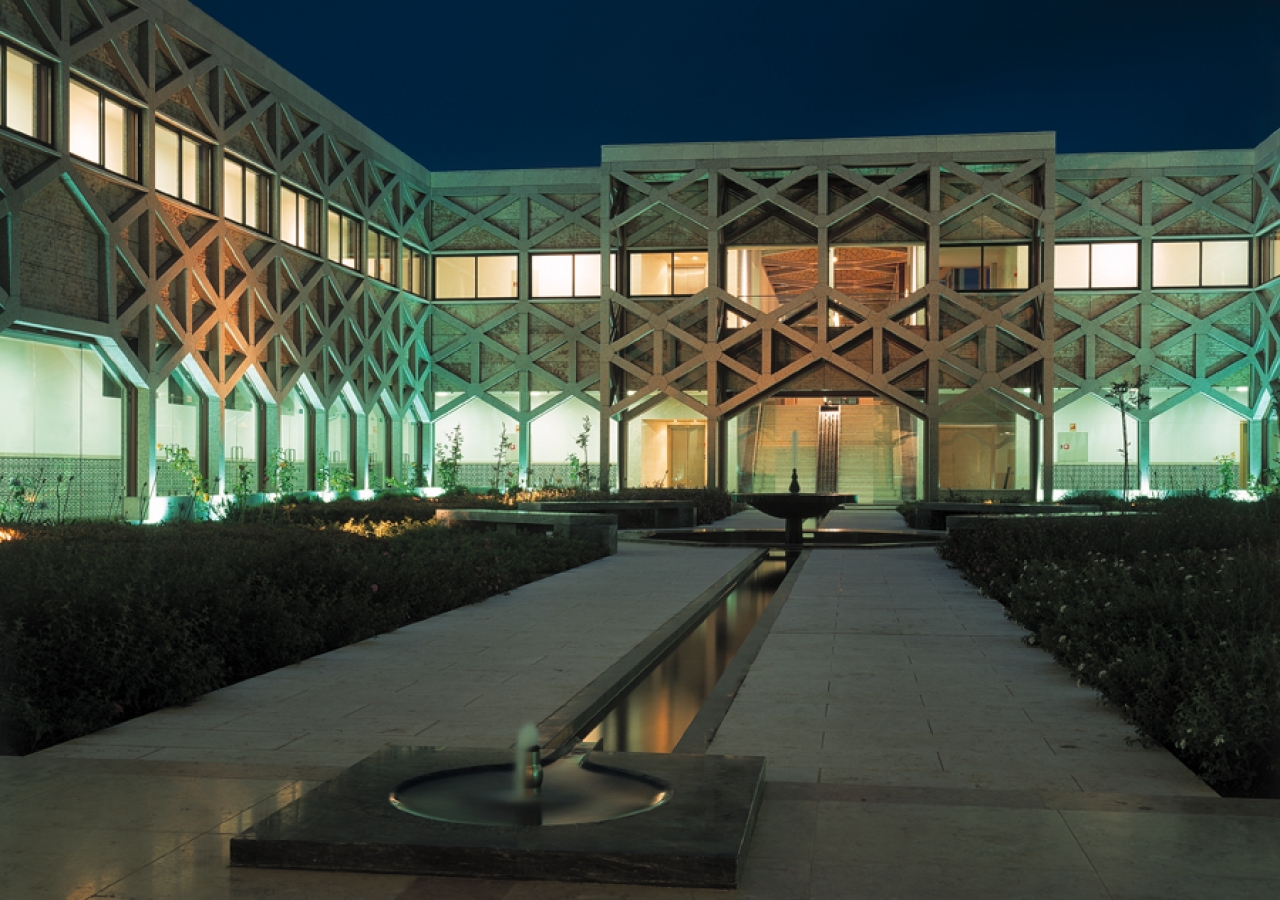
(573, 791)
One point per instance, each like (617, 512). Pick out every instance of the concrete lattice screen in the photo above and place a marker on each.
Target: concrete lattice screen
(160, 284)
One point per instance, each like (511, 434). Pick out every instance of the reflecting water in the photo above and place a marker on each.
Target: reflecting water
(653, 716)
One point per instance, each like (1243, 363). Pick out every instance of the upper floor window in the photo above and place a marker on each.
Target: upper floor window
(382, 256)
(668, 274)
(25, 98)
(413, 270)
(299, 219)
(344, 239)
(103, 130)
(1096, 266)
(1199, 264)
(985, 267)
(476, 277)
(182, 165)
(245, 194)
(1269, 256)
(569, 274)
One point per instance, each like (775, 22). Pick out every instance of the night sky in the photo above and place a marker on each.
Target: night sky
(502, 84)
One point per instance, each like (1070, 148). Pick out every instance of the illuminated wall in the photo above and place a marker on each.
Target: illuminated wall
(239, 256)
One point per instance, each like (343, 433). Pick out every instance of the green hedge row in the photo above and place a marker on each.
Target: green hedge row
(1173, 616)
(100, 623)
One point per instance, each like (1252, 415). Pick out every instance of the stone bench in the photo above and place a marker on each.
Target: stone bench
(666, 513)
(600, 529)
(939, 516)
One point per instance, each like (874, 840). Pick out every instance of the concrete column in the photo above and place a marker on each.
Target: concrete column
(268, 442)
(622, 450)
(712, 451)
(1143, 438)
(319, 431)
(213, 459)
(932, 467)
(395, 452)
(360, 452)
(140, 443)
(602, 463)
(524, 442)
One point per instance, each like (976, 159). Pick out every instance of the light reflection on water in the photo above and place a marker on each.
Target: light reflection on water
(653, 716)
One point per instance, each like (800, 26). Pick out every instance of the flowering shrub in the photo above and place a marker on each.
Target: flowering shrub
(1173, 617)
(100, 623)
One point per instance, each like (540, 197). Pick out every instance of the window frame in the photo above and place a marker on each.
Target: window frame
(43, 99)
(475, 270)
(573, 256)
(1200, 244)
(204, 152)
(981, 247)
(308, 213)
(1137, 273)
(133, 130)
(1268, 256)
(414, 261)
(264, 193)
(671, 269)
(379, 240)
(350, 230)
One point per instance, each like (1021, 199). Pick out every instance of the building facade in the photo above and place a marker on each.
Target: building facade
(200, 252)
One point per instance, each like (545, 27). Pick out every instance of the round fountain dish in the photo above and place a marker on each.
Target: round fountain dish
(572, 793)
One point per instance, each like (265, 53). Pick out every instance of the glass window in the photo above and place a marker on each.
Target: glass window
(668, 274)
(1114, 266)
(569, 274)
(299, 219)
(1097, 266)
(413, 274)
(245, 193)
(553, 275)
(455, 277)
(1224, 263)
(989, 267)
(382, 256)
(472, 277)
(103, 131)
(1199, 264)
(182, 166)
(26, 94)
(1269, 256)
(1175, 264)
(344, 239)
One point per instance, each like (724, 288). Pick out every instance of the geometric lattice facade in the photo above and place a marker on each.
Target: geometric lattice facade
(853, 237)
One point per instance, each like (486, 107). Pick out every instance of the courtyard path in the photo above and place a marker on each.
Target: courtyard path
(917, 749)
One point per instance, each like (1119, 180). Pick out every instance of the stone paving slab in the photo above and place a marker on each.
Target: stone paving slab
(145, 811)
(927, 683)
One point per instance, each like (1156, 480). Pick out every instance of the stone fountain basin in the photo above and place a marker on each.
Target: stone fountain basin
(697, 838)
(795, 506)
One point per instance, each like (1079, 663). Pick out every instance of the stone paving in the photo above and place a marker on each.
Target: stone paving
(917, 749)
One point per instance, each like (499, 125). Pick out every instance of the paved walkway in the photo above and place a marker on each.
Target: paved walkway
(916, 749)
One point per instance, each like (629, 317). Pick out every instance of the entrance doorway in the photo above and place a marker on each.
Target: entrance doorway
(687, 455)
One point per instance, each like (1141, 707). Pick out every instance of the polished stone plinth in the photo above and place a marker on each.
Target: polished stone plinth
(698, 838)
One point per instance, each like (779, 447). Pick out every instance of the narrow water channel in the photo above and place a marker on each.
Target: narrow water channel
(653, 715)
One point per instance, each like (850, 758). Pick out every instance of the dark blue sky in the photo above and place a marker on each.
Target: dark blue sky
(518, 85)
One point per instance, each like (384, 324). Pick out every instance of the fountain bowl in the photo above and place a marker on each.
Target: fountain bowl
(573, 792)
(793, 506)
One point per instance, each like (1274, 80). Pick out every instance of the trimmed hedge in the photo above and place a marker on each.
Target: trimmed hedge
(1173, 616)
(100, 623)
